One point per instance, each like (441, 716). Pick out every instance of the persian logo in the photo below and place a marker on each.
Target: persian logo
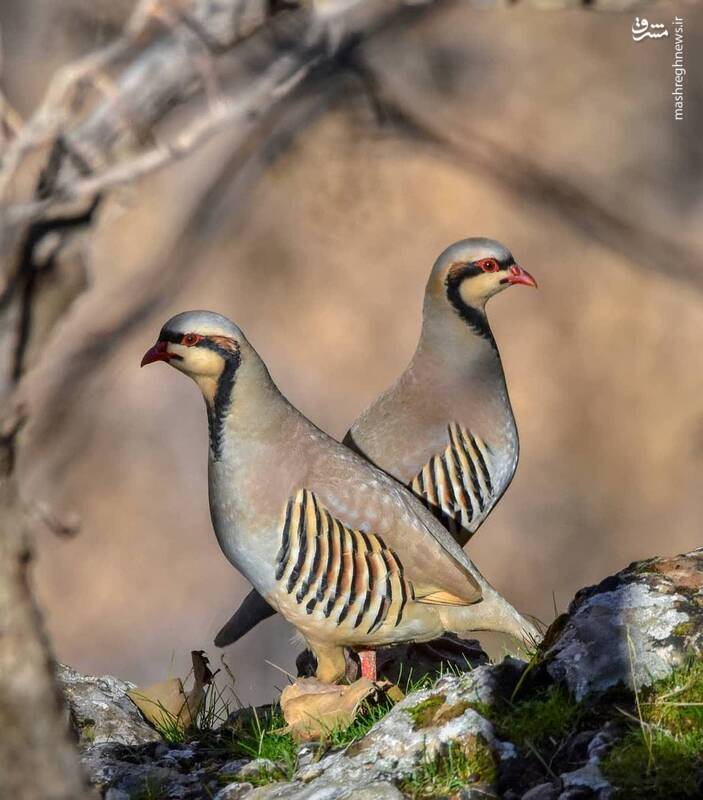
(644, 29)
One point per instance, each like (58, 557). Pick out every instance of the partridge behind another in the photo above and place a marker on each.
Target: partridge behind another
(345, 553)
(446, 427)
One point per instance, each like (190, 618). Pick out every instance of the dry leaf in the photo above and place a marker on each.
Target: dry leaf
(161, 703)
(166, 704)
(202, 677)
(393, 692)
(313, 709)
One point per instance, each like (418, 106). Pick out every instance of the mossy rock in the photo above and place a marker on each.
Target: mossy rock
(423, 714)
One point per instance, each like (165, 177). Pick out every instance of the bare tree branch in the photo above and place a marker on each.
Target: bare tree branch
(256, 53)
(644, 247)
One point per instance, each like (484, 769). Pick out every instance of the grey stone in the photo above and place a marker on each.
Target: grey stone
(588, 781)
(116, 794)
(100, 710)
(233, 767)
(234, 791)
(378, 791)
(631, 629)
(603, 741)
(544, 791)
(176, 772)
(479, 792)
(327, 790)
(259, 766)
(484, 684)
(398, 744)
(308, 754)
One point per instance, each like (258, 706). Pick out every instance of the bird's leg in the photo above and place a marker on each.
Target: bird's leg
(330, 662)
(368, 664)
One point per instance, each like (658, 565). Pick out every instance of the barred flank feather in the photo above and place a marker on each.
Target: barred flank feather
(456, 485)
(349, 575)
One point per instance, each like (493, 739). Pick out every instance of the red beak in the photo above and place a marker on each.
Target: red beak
(520, 275)
(158, 352)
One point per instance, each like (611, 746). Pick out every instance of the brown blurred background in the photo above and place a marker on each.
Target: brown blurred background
(321, 255)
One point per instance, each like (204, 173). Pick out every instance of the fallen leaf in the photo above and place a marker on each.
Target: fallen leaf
(166, 704)
(393, 692)
(313, 709)
(161, 703)
(202, 677)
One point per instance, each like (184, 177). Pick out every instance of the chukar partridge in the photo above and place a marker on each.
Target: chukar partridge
(445, 428)
(344, 552)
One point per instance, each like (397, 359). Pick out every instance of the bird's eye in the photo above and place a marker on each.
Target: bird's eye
(190, 339)
(489, 265)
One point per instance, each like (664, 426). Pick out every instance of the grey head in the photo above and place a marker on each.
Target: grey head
(471, 271)
(465, 276)
(199, 343)
(210, 349)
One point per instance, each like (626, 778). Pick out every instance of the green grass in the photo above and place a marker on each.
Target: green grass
(547, 718)
(661, 755)
(152, 790)
(214, 711)
(448, 774)
(663, 768)
(264, 736)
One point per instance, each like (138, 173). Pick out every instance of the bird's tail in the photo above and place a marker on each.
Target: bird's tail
(253, 610)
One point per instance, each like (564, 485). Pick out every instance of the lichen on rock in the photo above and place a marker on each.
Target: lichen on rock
(632, 629)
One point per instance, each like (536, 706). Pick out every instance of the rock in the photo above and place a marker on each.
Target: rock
(377, 790)
(232, 767)
(587, 782)
(259, 767)
(100, 710)
(234, 791)
(543, 791)
(421, 727)
(488, 683)
(116, 794)
(308, 753)
(175, 772)
(631, 629)
(652, 610)
(601, 743)
(481, 792)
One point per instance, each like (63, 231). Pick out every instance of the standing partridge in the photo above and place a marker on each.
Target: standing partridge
(343, 551)
(445, 428)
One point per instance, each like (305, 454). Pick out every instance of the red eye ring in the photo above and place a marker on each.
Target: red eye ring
(489, 265)
(189, 339)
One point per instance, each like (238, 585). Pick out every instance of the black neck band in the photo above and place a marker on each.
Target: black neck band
(222, 401)
(474, 317)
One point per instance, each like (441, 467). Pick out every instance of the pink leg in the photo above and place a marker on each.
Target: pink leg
(368, 664)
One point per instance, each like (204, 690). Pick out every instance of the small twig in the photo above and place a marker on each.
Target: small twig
(280, 669)
(229, 672)
(47, 121)
(670, 703)
(67, 527)
(280, 80)
(541, 760)
(646, 734)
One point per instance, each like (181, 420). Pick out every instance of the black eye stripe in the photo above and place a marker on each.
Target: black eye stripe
(170, 336)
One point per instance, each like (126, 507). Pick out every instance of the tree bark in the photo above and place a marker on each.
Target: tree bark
(37, 759)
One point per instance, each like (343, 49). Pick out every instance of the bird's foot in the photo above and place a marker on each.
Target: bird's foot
(368, 664)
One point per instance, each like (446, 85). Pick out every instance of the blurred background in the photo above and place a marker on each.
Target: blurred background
(562, 145)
